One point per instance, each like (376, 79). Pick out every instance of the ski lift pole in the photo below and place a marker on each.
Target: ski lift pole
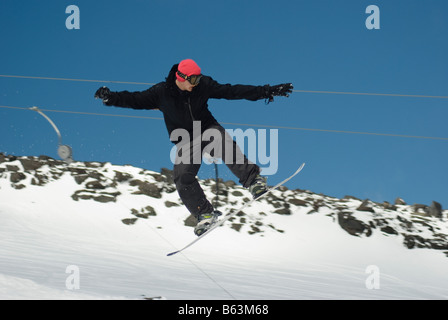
(51, 122)
(64, 151)
(217, 184)
(215, 162)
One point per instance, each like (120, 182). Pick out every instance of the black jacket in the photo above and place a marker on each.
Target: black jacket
(181, 108)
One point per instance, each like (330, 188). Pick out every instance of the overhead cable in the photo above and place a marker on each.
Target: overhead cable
(243, 124)
(298, 91)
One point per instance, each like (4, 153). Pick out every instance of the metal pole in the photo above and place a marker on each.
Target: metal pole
(64, 151)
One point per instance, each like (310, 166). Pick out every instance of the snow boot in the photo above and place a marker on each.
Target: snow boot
(258, 186)
(206, 221)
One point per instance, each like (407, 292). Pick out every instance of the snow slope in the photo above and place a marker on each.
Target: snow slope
(54, 217)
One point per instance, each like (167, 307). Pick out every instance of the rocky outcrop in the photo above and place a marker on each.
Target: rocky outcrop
(417, 226)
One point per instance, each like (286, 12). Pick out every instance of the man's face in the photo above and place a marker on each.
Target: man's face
(185, 85)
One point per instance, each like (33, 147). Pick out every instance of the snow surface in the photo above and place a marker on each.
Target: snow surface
(43, 231)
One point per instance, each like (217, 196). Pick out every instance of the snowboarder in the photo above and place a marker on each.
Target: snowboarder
(183, 98)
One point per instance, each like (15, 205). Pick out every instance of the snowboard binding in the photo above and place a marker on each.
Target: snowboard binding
(206, 221)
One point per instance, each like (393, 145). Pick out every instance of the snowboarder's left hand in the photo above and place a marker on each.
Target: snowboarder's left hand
(279, 90)
(103, 93)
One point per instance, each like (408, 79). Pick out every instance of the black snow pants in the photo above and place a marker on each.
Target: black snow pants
(220, 145)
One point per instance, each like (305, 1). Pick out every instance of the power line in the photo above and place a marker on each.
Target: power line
(298, 91)
(87, 113)
(374, 94)
(129, 209)
(78, 80)
(242, 124)
(337, 131)
(186, 257)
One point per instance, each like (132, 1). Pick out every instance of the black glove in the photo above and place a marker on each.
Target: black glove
(279, 90)
(103, 93)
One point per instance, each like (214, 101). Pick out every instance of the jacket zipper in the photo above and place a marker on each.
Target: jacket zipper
(189, 107)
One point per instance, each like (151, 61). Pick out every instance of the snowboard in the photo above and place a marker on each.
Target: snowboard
(221, 221)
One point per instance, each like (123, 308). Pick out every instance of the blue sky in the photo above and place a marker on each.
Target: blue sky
(317, 45)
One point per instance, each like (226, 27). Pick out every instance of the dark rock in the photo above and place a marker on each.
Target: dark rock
(389, 206)
(435, 210)
(170, 204)
(39, 180)
(351, 198)
(412, 241)
(95, 175)
(169, 175)
(191, 221)
(146, 188)
(94, 164)
(352, 225)
(12, 168)
(405, 224)
(77, 171)
(254, 230)
(121, 177)
(237, 193)
(129, 221)
(45, 158)
(30, 165)
(230, 183)
(81, 178)
(283, 211)
(366, 206)
(389, 230)
(17, 176)
(95, 185)
(298, 202)
(420, 209)
(104, 198)
(144, 212)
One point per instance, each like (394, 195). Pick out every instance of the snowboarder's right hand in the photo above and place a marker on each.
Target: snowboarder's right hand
(282, 90)
(103, 93)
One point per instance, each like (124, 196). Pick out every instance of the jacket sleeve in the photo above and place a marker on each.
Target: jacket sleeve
(237, 91)
(147, 99)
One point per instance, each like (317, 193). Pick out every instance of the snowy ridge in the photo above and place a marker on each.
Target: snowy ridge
(116, 224)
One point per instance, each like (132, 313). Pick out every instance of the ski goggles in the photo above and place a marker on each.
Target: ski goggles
(193, 79)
